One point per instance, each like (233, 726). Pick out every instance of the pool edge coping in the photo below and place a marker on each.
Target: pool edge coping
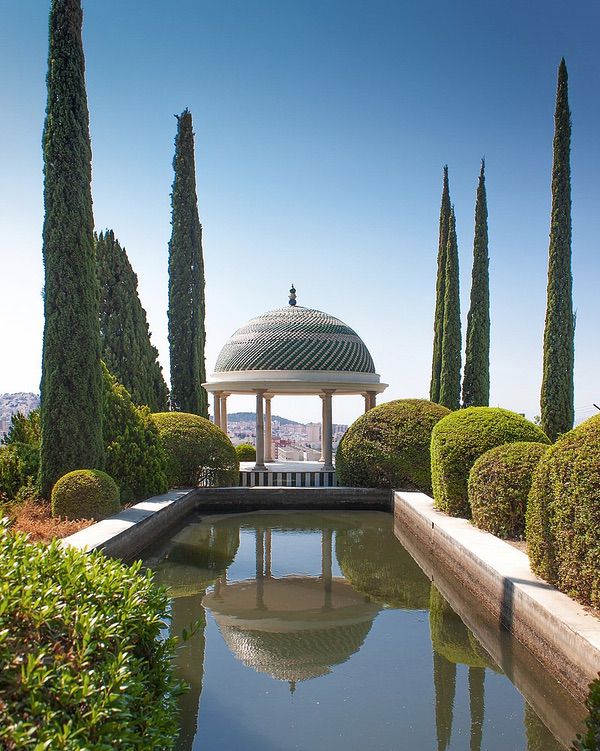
(559, 631)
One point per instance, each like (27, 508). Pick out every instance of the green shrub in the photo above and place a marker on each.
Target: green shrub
(133, 449)
(388, 446)
(499, 484)
(197, 451)
(461, 438)
(19, 468)
(85, 494)
(246, 452)
(84, 664)
(590, 740)
(24, 429)
(563, 514)
(20, 457)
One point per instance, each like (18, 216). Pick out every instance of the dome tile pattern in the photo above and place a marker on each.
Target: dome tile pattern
(295, 338)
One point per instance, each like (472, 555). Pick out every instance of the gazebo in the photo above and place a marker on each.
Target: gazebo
(293, 351)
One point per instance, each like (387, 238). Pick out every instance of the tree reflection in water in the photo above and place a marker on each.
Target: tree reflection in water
(297, 627)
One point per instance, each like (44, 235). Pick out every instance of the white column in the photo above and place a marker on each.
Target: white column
(372, 396)
(260, 432)
(224, 413)
(367, 401)
(268, 430)
(322, 457)
(327, 432)
(217, 407)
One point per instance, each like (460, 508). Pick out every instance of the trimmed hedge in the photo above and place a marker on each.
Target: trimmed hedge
(388, 446)
(133, 449)
(459, 439)
(499, 484)
(197, 451)
(85, 494)
(246, 452)
(563, 514)
(84, 663)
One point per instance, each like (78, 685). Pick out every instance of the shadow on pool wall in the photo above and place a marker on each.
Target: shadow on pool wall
(466, 633)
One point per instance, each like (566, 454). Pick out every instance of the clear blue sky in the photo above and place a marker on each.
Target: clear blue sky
(321, 132)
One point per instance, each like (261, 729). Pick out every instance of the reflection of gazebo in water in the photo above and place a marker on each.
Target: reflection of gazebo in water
(292, 628)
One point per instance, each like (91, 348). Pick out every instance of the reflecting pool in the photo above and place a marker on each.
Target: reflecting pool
(320, 631)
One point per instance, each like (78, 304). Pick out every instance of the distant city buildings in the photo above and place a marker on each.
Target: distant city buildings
(10, 404)
(292, 441)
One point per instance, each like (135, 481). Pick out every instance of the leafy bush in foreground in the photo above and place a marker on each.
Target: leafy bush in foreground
(246, 452)
(83, 663)
(388, 446)
(197, 451)
(563, 514)
(499, 483)
(85, 494)
(590, 740)
(461, 438)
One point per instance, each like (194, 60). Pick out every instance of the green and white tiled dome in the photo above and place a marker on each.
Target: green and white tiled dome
(295, 338)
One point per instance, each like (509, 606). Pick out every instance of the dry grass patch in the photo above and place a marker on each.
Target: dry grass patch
(34, 517)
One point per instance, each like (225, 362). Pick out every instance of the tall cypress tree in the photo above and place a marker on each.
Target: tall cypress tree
(71, 386)
(438, 323)
(186, 280)
(451, 340)
(557, 383)
(476, 380)
(126, 347)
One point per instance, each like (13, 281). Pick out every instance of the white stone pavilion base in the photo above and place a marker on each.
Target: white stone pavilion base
(287, 475)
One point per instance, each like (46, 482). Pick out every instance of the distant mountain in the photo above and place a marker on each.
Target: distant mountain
(251, 417)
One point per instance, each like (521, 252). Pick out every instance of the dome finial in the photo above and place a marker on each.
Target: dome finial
(292, 295)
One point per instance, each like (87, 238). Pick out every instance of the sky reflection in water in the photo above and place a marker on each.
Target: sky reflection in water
(319, 631)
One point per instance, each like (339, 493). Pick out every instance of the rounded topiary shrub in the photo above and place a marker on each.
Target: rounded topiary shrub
(246, 452)
(499, 484)
(461, 438)
(563, 514)
(388, 446)
(85, 494)
(197, 451)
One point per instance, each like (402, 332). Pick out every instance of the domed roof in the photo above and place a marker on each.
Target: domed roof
(295, 338)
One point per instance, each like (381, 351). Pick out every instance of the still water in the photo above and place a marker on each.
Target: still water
(320, 631)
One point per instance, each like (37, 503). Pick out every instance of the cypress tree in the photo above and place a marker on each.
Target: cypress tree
(126, 347)
(71, 385)
(451, 340)
(557, 383)
(186, 280)
(476, 380)
(438, 323)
